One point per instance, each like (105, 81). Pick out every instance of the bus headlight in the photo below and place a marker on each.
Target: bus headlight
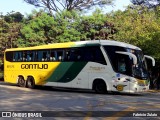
(142, 82)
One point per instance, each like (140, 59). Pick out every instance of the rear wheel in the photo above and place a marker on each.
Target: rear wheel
(30, 82)
(21, 81)
(100, 87)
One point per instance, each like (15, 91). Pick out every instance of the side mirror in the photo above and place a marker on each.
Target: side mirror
(130, 55)
(151, 58)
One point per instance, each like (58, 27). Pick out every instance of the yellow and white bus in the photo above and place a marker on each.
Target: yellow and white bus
(101, 65)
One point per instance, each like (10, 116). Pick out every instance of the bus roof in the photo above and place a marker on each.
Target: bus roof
(78, 44)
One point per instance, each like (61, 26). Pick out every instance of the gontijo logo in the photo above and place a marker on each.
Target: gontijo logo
(34, 66)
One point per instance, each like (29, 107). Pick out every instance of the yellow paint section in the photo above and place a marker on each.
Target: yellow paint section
(13, 70)
(49, 46)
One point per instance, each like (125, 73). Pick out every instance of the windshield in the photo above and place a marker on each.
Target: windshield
(139, 70)
(124, 64)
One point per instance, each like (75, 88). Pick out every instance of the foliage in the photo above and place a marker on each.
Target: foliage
(9, 30)
(147, 3)
(13, 17)
(65, 27)
(96, 27)
(68, 5)
(140, 28)
(37, 31)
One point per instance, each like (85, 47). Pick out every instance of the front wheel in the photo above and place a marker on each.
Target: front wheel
(30, 82)
(100, 87)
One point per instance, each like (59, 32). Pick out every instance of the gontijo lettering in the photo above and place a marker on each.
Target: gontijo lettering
(34, 66)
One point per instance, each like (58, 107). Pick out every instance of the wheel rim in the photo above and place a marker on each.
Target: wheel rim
(30, 83)
(21, 82)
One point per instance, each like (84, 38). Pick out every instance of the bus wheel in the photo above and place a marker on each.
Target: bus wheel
(99, 86)
(21, 81)
(30, 82)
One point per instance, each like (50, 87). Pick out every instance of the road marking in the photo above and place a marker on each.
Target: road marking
(15, 88)
(88, 116)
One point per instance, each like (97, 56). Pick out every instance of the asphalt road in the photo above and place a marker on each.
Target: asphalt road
(93, 106)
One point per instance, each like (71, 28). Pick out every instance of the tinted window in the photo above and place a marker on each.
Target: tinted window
(76, 54)
(17, 56)
(120, 63)
(86, 54)
(60, 55)
(9, 56)
(53, 55)
(94, 54)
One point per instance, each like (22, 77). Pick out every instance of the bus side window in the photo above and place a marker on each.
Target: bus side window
(24, 55)
(39, 56)
(94, 54)
(67, 55)
(44, 58)
(60, 55)
(76, 54)
(9, 56)
(46, 55)
(36, 58)
(53, 55)
(17, 56)
(89, 54)
(30, 56)
(99, 56)
(33, 55)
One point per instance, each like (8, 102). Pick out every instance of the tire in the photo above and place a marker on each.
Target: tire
(30, 83)
(21, 81)
(100, 87)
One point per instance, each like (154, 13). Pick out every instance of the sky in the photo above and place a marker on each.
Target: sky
(7, 6)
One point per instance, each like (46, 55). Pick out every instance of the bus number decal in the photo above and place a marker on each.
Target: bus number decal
(34, 66)
(10, 66)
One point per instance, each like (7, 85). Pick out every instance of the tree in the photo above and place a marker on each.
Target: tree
(41, 28)
(96, 27)
(37, 31)
(147, 3)
(67, 26)
(139, 28)
(9, 30)
(69, 5)
(13, 17)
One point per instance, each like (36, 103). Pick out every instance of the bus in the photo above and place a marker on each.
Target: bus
(99, 65)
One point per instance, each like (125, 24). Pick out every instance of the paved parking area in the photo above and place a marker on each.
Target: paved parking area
(116, 106)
